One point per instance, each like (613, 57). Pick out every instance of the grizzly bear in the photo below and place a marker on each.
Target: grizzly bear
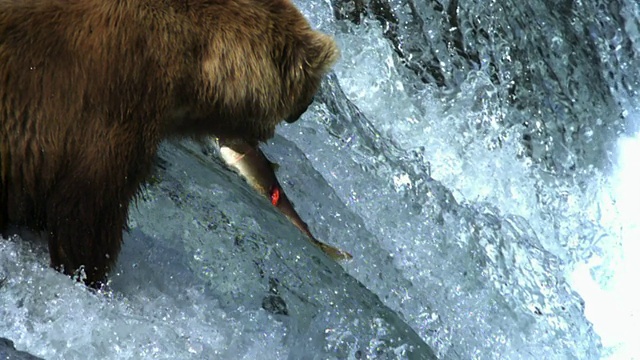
(90, 88)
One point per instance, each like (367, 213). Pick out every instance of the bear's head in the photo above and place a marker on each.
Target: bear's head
(264, 64)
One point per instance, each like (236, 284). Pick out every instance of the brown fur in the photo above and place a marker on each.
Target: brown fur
(89, 88)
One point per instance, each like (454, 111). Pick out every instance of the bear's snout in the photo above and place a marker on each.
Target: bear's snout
(295, 116)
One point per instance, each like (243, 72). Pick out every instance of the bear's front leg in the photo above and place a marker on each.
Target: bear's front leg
(85, 220)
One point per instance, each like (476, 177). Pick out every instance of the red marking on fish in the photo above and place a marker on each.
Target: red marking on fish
(275, 195)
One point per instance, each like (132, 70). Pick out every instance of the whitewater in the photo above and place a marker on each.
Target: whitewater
(477, 158)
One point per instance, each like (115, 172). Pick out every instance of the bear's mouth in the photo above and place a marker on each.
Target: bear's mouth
(296, 115)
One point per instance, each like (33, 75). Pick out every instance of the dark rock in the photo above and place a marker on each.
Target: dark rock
(9, 352)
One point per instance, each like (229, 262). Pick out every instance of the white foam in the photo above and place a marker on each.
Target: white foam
(612, 299)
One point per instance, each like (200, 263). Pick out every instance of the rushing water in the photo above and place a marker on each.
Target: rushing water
(476, 158)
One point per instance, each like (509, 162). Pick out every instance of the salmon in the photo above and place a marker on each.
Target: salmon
(251, 163)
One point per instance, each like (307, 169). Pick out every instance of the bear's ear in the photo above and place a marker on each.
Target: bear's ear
(322, 52)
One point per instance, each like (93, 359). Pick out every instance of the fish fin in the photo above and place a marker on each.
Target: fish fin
(333, 252)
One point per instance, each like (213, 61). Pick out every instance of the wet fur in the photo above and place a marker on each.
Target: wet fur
(89, 89)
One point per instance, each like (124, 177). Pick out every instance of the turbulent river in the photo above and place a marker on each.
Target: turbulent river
(476, 157)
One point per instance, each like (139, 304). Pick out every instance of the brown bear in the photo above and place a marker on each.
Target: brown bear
(90, 88)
